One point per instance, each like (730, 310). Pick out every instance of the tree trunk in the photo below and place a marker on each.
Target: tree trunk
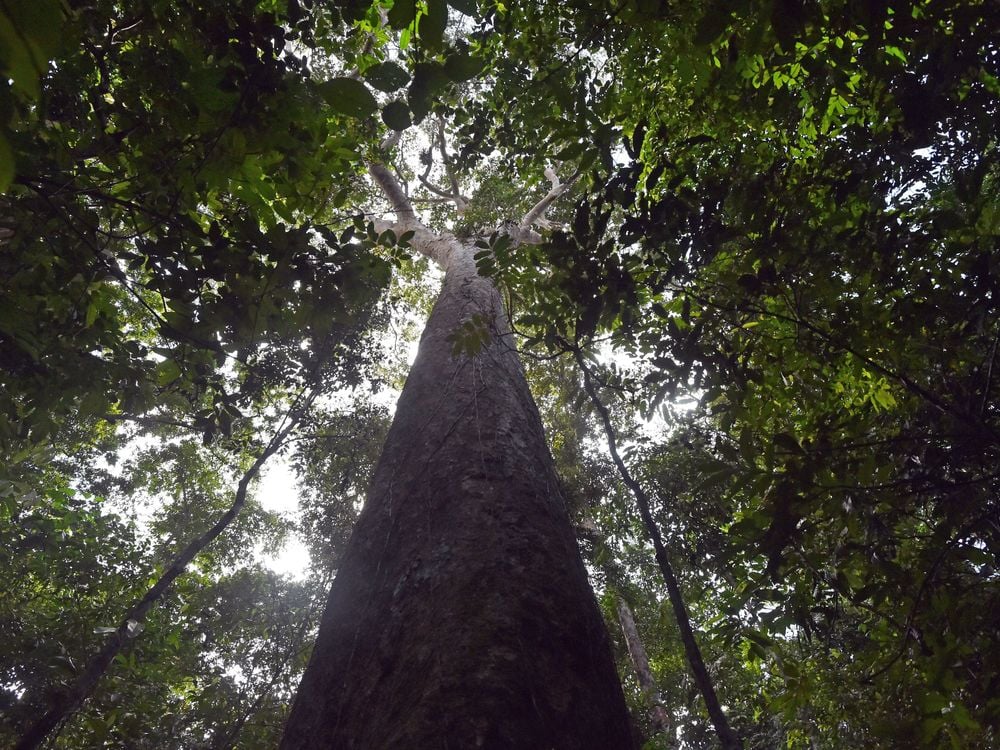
(461, 616)
(643, 674)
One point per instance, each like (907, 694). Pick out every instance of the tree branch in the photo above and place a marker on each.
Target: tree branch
(390, 141)
(523, 233)
(128, 628)
(728, 738)
(393, 192)
(536, 214)
(436, 246)
(461, 202)
(454, 194)
(640, 663)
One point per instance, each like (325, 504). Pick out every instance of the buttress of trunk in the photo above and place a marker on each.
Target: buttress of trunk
(461, 615)
(643, 674)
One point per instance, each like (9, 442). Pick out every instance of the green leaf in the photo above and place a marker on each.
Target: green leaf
(349, 97)
(387, 76)
(30, 35)
(468, 7)
(167, 372)
(747, 445)
(396, 115)
(402, 14)
(978, 556)
(571, 151)
(787, 443)
(962, 718)
(432, 24)
(93, 310)
(6, 164)
(462, 66)
(716, 478)
(351, 10)
(428, 80)
(712, 23)
(787, 18)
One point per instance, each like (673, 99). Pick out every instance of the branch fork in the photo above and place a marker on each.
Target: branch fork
(440, 247)
(523, 232)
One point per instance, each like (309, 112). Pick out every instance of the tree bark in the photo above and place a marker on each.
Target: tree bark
(461, 616)
(643, 673)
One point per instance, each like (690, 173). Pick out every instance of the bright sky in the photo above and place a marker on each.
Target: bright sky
(278, 493)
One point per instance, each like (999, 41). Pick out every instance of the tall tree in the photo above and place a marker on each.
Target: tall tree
(461, 614)
(786, 214)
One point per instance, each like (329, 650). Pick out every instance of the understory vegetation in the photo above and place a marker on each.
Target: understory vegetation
(761, 326)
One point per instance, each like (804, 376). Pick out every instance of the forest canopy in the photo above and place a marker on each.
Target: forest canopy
(757, 306)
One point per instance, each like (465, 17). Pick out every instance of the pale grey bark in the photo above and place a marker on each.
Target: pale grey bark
(643, 673)
(523, 232)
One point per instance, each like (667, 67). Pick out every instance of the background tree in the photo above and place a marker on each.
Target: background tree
(157, 285)
(781, 244)
(779, 249)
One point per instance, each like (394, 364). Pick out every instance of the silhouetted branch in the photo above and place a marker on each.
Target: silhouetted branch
(131, 623)
(728, 738)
